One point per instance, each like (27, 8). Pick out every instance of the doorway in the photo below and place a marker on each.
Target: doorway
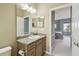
(61, 41)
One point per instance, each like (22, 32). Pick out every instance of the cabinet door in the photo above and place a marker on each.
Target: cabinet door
(30, 46)
(44, 44)
(39, 47)
(31, 52)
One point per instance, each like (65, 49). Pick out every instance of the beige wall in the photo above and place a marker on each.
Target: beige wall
(19, 12)
(43, 10)
(7, 26)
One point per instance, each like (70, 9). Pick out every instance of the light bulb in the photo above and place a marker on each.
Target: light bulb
(30, 8)
(42, 17)
(34, 10)
(25, 6)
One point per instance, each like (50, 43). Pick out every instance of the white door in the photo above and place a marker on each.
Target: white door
(52, 31)
(75, 29)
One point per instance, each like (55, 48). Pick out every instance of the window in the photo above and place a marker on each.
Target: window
(67, 27)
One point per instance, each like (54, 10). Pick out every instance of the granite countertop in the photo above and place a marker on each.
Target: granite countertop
(30, 39)
(22, 36)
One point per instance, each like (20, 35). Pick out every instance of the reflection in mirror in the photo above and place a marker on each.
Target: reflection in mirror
(26, 25)
(38, 22)
(34, 22)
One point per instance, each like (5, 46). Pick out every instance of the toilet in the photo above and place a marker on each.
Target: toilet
(6, 51)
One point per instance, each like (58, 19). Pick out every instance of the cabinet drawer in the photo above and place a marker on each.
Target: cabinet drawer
(44, 43)
(31, 52)
(44, 39)
(39, 50)
(39, 42)
(31, 46)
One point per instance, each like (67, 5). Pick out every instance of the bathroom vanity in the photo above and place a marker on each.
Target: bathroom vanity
(33, 45)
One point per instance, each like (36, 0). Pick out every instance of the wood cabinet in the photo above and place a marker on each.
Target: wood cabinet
(36, 48)
(44, 45)
(31, 48)
(31, 52)
(39, 47)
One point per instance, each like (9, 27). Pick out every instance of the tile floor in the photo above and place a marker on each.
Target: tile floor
(62, 47)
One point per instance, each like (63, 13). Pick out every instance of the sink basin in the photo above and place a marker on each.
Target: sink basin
(34, 36)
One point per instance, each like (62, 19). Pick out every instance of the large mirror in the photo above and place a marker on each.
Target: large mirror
(34, 22)
(24, 18)
(38, 22)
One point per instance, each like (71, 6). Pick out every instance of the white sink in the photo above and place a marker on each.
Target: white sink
(34, 36)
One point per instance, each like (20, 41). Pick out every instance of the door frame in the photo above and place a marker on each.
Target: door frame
(50, 11)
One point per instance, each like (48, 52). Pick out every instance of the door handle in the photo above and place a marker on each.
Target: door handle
(77, 44)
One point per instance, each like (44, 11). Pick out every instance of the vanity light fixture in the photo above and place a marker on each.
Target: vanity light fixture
(25, 7)
(28, 8)
(42, 17)
(34, 10)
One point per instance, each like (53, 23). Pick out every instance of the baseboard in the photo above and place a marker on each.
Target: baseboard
(48, 53)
